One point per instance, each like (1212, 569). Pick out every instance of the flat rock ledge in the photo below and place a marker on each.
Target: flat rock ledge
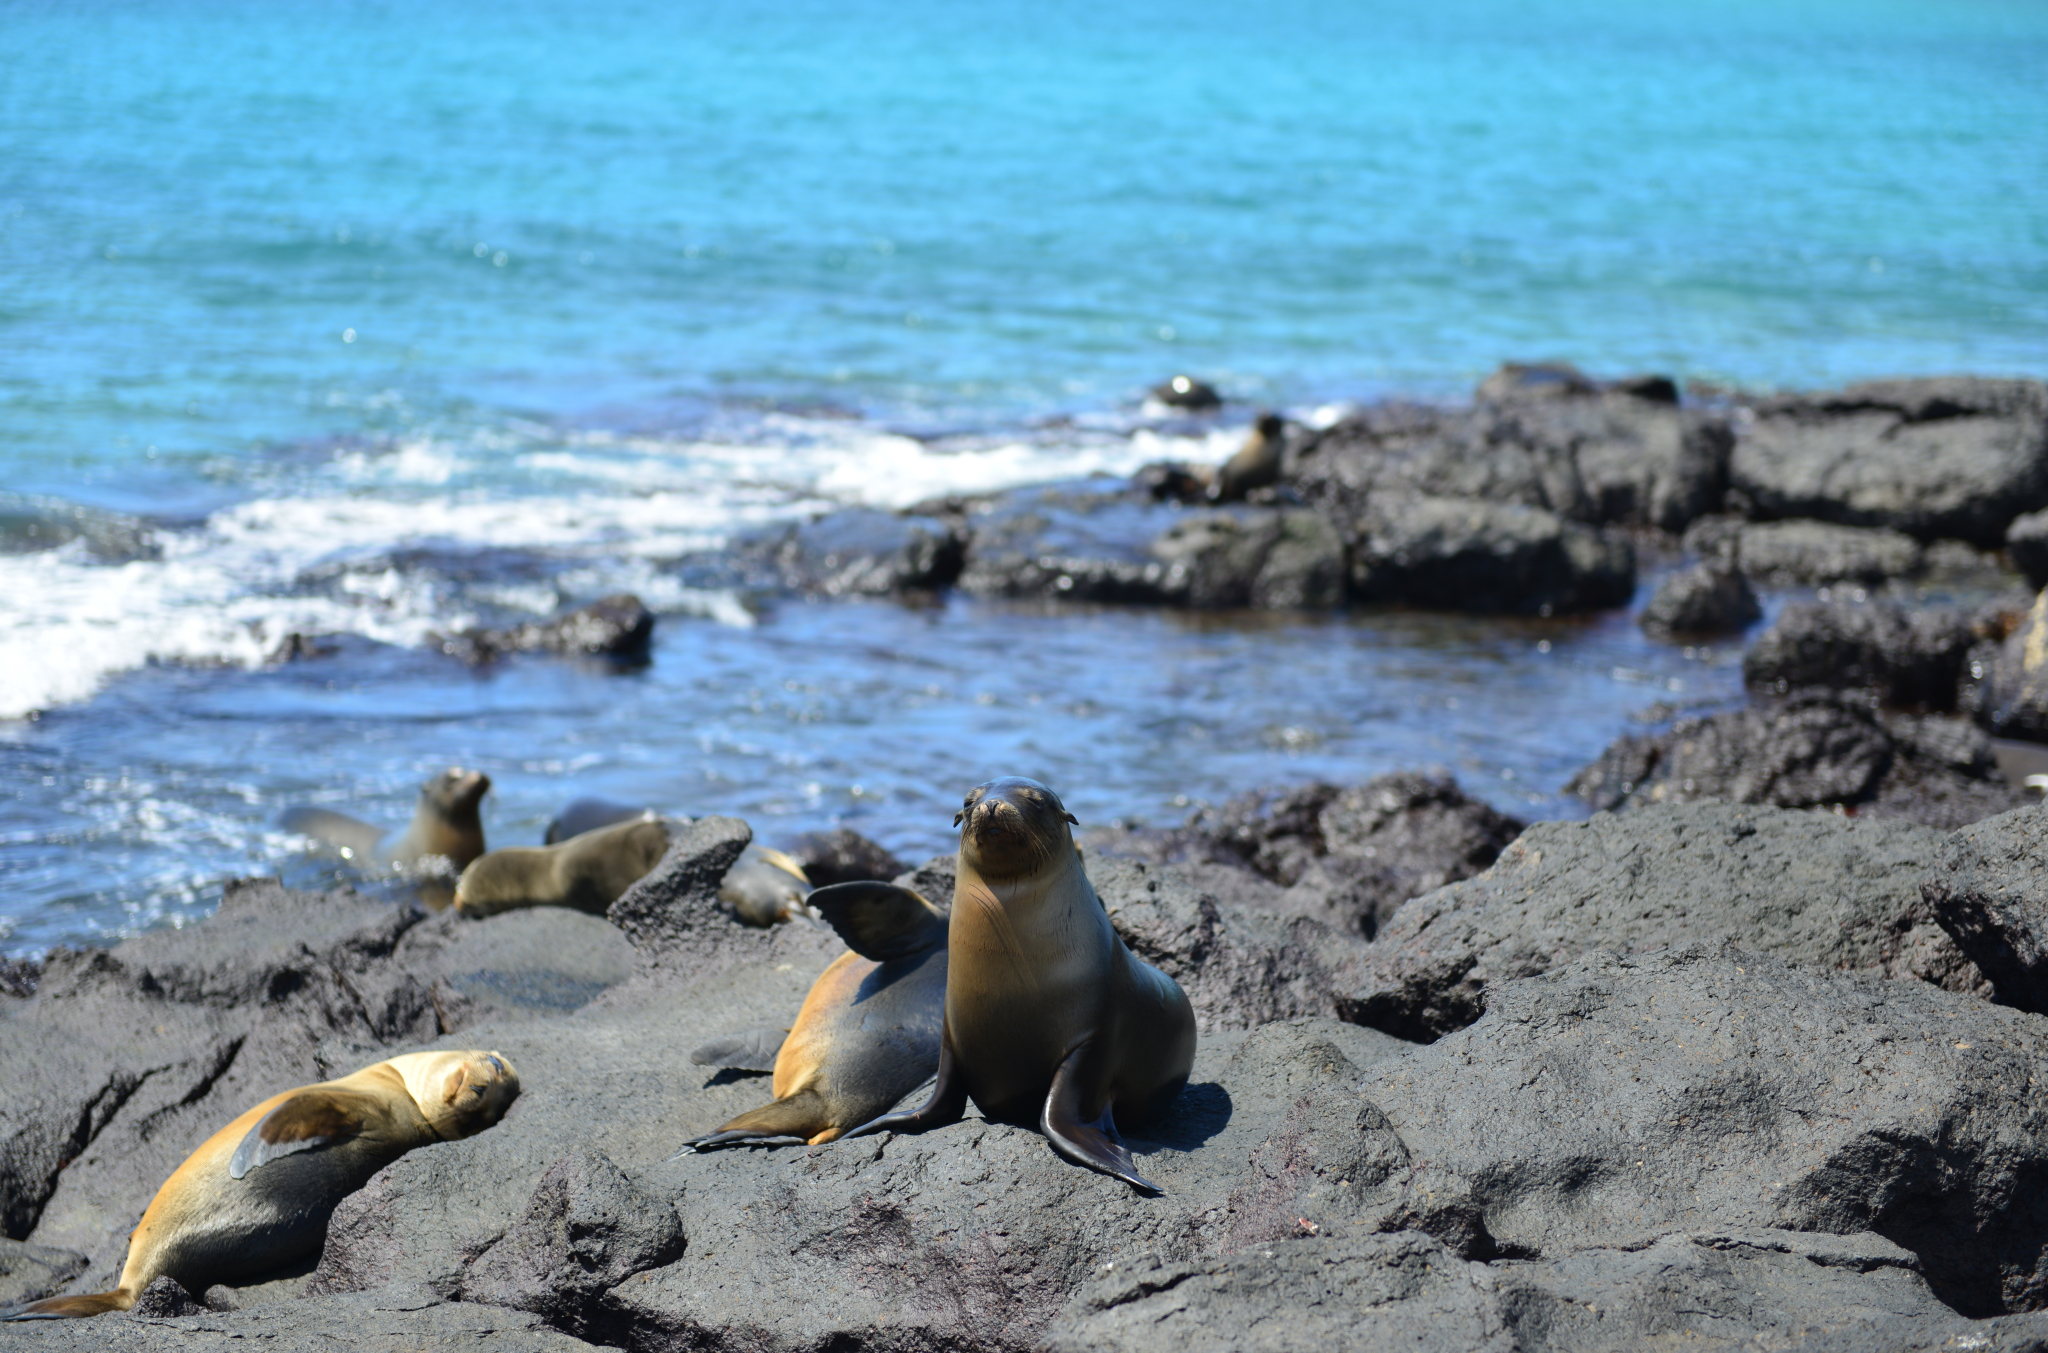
(1708, 1148)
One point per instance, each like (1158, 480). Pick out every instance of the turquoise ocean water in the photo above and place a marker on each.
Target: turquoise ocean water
(383, 319)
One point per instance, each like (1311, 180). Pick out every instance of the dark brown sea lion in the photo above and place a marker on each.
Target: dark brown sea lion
(445, 822)
(1256, 464)
(587, 815)
(868, 1032)
(1049, 1018)
(257, 1194)
(587, 872)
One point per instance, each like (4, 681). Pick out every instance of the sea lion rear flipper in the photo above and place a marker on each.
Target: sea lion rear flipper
(1092, 1144)
(803, 1115)
(337, 829)
(753, 1050)
(948, 1103)
(306, 1121)
(71, 1308)
(881, 921)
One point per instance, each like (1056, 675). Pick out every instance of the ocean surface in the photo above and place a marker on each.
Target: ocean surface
(377, 321)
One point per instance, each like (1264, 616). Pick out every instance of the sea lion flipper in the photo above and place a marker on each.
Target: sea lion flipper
(787, 864)
(305, 1121)
(751, 1050)
(948, 1103)
(802, 1116)
(881, 921)
(1094, 1144)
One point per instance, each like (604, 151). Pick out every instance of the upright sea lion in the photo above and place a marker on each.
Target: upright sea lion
(587, 872)
(445, 822)
(257, 1194)
(868, 1032)
(1256, 464)
(1048, 1016)
(765, 886)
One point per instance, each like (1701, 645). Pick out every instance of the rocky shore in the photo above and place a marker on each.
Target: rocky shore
(1748, 1060)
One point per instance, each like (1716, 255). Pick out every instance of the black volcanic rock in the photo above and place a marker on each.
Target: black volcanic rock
(843, 856)
(1989, 889)
(1904, 656)
(1802, 553)
(865, 552)
(1468, 554)
(1706, 599)
(618, 627)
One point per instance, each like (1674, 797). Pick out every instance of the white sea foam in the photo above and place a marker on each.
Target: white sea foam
(610, 507)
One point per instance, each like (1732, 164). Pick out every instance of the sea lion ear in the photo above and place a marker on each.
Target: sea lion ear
(312, 1118)
(881, 921)
(957, 816)
(457, 1082)
(1071, 818)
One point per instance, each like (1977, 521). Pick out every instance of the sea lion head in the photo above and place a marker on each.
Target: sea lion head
(455, 792)
(459, 1093)
(1012, 826)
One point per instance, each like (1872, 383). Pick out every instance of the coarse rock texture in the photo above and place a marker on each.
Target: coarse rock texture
(1619, 1097)
(1812, 749)
(1705, 599)
(1804, 553)
(1468, 554)
(842, 856)
(1346, 857)
(31, 1272)
(1808, 888)
(1087, 542)
(1944, 456)
(862, 551)
(618, 627)
(1623, 456)
(1988, 887)
(1903, 655)
(2026, 541)
(2006, 680)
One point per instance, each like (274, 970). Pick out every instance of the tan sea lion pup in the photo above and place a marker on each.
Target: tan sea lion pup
(765, 886)
(587, 872)
(1049, 1018)
(257, 1194)
(445, 822)
(868, 1032)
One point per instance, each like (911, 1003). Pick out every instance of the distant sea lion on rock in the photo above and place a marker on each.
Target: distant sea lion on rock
(1049, 1018)
(765, 886)
(445, 822)
(587, 872)
(868, 1032)
(1256, 464)
(257, 1194)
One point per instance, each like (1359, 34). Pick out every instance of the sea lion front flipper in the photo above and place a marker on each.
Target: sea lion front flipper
(1095, 1144)
(306, 1121)
(753, 1050)
(948, 1103)
(881, 921)
(803, 1115)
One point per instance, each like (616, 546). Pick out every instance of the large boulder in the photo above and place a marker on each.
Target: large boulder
(1623, 456)
(1988, 887)
(1807, 888)
(1807, 553)
(1812, 749)
(1904, 656)
(1469, 554)
(618, 627)
(1706, 599)
(1619, 1097)
(861, 551)
(1943, 456)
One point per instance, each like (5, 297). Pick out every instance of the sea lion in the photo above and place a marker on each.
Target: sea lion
(587, 872)
(764, 886)
(868, 1032)
(587, 815)
(257, 1194)
(1049, 1018)
(1256, 464)
(444, 822)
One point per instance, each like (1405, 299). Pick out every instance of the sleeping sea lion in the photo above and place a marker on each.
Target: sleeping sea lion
(445, 822)
(587, 872)
(257, 1194)
(764, 886)
(587, 815)
(1256, 464)
(868, 1032)
(1049, 1018)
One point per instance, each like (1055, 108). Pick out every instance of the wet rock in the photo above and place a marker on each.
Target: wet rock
(2005, 683)
(586, 1230)
(842, 856)
(30, 523)
(1705, 599)
(1619, 1097)
(1465, 554)
(1272, 559)
(1812, 749)
(32, 1272)
(1943, 456)
(617, 627)
(1591, 455)
(2026, 540)
(864, 552)
(1988, 887)
(1807, 553)
(1903, 656)
(1187, 392)
(1811, 889)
